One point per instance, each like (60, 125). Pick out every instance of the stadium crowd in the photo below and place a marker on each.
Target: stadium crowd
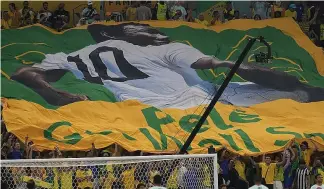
(299, 166)
(307, 14)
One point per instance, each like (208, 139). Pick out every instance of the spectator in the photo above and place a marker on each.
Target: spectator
(223, 186)
(31, 184)
(260, 8)
(268, 169)
(140, 186)
(61, 18)
(318, 168)
(291, 12)
(56, 153)
(277, 10)
(258, 184)
(191, 180)
(157, 182)
(302, 179)
(181, 174)
(190, 17)
(306, 152)
(161, 11)
(240, 167)
(319, 182)
(233, 176)
(257, 17)
(27, 14)
(243, 7)
(63, 176)
(28, 148)
(236, 14)
(300, 10)
(200, 20)
(4, 151)
(228, 12)
(310, 12)
(95, 169)
(279, 172)
(319, 30)
(83, 176)
(289, 168)
(277, 14)
(143, 12)
(14, 16)
(305, 24)
(224, 162)
(44, 15)
(251, 171)
(216, 19)
(313, 36)
(142, 172)
(131, 12)
(178, 15)
(128, 176)
(5, 20)
(221, 180)
(178, 12)
(89, 14)
(14, 152)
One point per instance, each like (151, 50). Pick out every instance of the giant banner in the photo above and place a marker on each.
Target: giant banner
(145, 86)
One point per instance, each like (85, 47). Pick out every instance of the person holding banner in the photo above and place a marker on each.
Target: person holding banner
(89, 14)
(143, 12)
(161, 11)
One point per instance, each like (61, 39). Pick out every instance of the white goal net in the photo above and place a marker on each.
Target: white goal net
(174, 172)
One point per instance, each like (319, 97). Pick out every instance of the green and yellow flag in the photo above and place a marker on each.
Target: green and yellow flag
(145, 85)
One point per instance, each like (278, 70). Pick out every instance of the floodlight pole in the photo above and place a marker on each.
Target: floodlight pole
(218, 95)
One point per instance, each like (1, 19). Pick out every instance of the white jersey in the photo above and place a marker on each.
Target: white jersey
(258, 187)
(157, 187)
(170, 81)
(315, 186)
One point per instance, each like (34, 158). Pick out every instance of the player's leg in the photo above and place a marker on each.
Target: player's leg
(38, 80)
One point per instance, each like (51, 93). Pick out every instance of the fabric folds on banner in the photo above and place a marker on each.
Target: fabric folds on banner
(145, 85)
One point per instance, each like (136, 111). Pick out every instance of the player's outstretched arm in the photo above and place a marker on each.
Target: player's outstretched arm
(263, 76)
(38, 80)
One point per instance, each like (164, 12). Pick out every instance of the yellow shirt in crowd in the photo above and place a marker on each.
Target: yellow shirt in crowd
(5, 23)
(65, 177)
(131, 14)
(217, 22)
(204, 22)
(268, 171)
(307, 155)
(110, 178)
(322, 32)
(320, 171)
(172, 181)
(128, 178)
(291, 14)
(240, 168)
(82, 174)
